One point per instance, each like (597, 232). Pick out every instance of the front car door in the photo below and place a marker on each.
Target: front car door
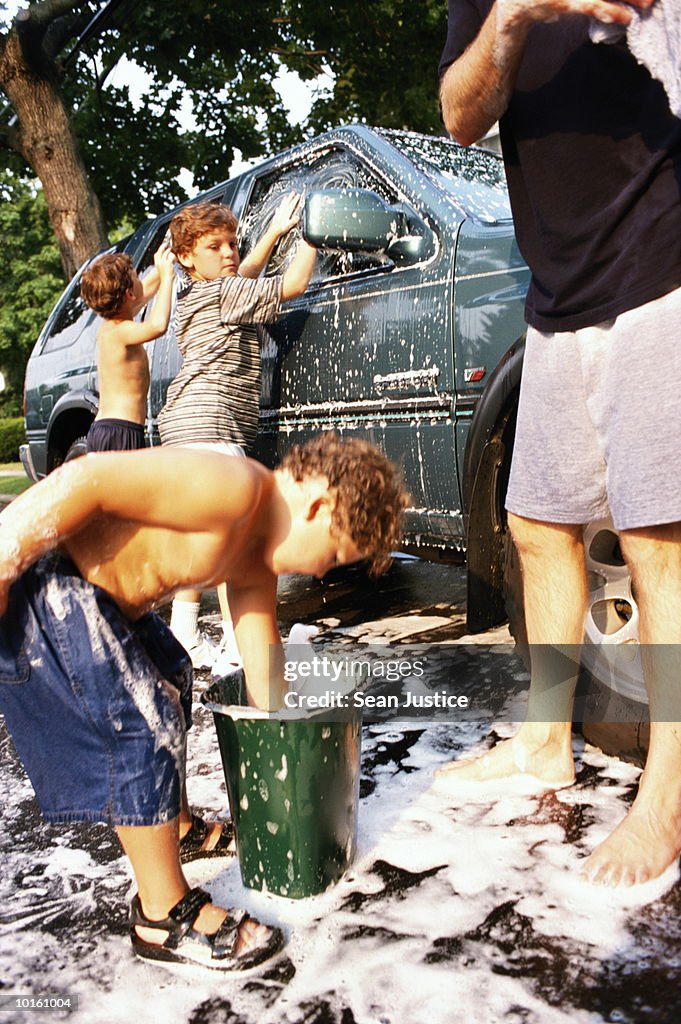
(367, 350)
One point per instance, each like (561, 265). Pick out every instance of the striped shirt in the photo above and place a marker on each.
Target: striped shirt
(216, 394)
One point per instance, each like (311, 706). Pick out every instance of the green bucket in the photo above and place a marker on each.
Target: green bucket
(293, 788)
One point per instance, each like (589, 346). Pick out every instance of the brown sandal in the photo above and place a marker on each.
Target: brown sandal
(191, 844)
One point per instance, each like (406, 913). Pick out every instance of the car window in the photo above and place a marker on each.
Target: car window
(335, 168)
(147, 261)
(475, 178)
(70, 320)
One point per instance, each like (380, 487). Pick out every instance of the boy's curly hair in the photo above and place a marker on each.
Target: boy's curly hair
(189, 224)
(105, 283)
(370, 496)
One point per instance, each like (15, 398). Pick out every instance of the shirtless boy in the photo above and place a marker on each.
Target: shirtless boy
(85, 556)
(111, 287)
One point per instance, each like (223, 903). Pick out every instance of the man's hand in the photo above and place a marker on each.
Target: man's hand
(514, 13)
(476, 89)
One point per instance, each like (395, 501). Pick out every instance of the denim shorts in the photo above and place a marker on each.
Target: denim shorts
(97, 705)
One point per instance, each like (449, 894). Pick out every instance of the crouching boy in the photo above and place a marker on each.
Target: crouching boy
(85, 556)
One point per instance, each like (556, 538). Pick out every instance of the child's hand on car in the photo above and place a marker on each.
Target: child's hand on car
(164, 259)
(287, 214)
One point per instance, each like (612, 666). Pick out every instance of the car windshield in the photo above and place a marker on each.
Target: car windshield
(474, 178)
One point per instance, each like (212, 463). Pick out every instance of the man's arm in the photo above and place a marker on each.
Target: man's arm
(286, 216)
(476, 89)
(254, 614)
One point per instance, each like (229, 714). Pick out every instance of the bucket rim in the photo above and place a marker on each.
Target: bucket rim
(241, 712)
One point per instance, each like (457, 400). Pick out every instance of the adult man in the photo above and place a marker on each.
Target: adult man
(593, 160)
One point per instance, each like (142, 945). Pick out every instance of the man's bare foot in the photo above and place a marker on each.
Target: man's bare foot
(640, 849)
(531, 755)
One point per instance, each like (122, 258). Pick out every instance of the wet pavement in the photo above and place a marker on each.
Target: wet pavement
(457, 908)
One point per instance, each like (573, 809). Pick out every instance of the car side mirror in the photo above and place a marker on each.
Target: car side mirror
(358, 220)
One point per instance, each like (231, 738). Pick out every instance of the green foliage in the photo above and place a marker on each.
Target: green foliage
(384, 56)
(11, 436)
(212, 66)
(216, 63)
(30, 284)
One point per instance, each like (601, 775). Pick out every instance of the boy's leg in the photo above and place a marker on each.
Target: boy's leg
(184, 619)
(185, 615)
(215, 828)
(229, 657)
(153, 852)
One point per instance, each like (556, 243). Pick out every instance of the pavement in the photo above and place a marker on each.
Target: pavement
(458, 907)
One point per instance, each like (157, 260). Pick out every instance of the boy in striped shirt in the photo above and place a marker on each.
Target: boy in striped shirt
(214, 400)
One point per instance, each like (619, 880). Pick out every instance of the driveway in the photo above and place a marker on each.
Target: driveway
(457, 908)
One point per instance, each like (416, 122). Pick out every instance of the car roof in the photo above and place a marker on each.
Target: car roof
(471, 179)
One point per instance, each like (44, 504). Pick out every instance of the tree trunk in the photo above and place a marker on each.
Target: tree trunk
(45, 139)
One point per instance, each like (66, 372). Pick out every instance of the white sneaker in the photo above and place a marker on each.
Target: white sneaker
(227, 660)
(202, 652)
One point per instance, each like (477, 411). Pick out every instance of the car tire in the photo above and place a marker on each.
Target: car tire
(76, 449)
(611, 706)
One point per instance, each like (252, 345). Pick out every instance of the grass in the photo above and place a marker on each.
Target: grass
(14, 484)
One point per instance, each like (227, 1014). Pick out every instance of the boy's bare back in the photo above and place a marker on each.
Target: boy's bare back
(122, 374)
(143, 524)
(152, 536)
(111, 286)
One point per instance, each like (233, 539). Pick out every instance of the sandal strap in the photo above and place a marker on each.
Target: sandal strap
(180, 918)
(194, 839)
(186, 910)
(225, 940)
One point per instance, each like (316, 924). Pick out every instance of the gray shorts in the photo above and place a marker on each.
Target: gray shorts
(599, 421)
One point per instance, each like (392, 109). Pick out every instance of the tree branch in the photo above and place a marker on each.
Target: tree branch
(280, 51)
(31, 25)
(45, 12)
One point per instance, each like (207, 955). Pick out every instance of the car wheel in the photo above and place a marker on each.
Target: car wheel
(76, 449)
(611, 708)
(613, 698)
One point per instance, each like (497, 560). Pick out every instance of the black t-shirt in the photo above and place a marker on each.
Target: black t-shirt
(593, 162)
